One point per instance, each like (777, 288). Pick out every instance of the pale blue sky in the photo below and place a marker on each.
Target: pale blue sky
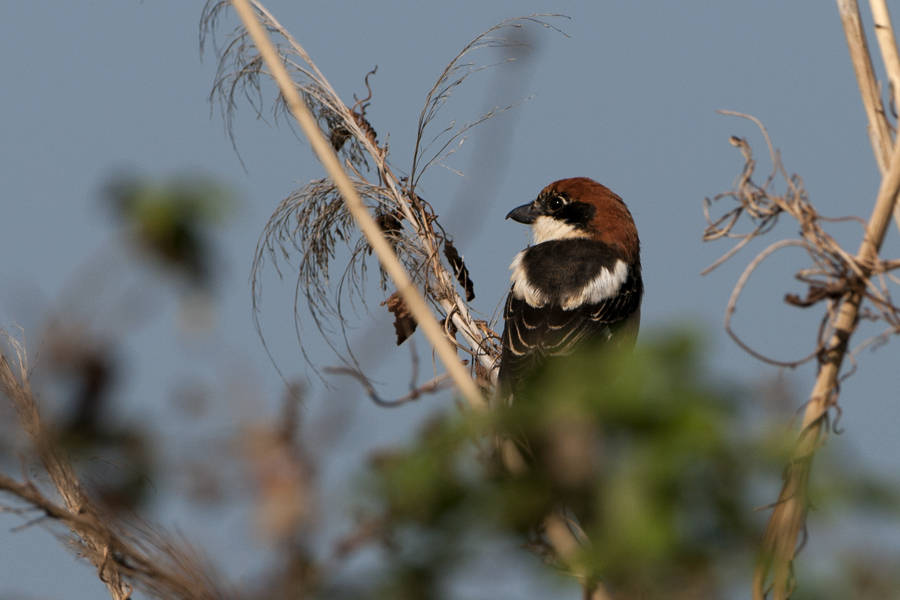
(629, 99)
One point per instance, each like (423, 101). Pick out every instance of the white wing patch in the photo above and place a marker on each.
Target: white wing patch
(545, 229)
(605, 285)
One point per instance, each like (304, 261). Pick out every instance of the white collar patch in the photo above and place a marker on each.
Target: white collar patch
(545, 229)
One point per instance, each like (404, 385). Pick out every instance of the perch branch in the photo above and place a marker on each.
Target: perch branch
(415, 393)
(416, 303)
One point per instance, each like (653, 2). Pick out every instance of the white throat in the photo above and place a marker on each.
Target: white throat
(545, 229)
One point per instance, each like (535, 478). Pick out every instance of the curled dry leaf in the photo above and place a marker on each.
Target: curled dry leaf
(389, 223)
(340, 133)
(404, 324)
(459, 269)
(816, 293)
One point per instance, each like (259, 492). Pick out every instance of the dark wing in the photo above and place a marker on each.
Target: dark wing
(533, 335)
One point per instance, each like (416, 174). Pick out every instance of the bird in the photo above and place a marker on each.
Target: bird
(579, 284)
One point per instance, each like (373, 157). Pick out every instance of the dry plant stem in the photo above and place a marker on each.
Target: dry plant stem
(138, 555)
(780, 538)
(97, 548)
(884, 33)
(567, 548)
(367, 225)
(879, 128)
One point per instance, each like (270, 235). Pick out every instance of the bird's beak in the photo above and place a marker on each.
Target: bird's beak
(526, 214)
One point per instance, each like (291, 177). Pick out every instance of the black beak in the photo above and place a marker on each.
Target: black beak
(526, 214)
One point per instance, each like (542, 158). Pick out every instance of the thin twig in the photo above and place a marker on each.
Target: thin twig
(736, 293)
(429, 387)
(833, 268)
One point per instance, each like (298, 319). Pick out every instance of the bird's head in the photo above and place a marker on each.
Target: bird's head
(580, 207)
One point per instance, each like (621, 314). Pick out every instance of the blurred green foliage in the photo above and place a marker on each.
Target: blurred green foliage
(654, 459)
(170, 219)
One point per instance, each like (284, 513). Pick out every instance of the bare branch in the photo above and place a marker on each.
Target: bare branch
(370, 229)
(137, 556)
(833, 270)
(430, 387)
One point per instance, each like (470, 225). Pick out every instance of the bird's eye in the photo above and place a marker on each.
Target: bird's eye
(556, 203)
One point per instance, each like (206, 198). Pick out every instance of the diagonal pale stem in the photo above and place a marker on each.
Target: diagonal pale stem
(416, 303)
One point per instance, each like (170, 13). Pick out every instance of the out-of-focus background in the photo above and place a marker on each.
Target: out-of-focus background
(96, 93)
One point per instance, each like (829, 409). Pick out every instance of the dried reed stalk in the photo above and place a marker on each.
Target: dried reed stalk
(884, 33)
(879, 128)
(843, 281)
(780, 538)
(313, 219)
(326, 154)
